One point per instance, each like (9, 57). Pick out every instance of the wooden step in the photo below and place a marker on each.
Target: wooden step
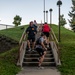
(48, 49)
(31, 52)
(36, 64)
(36, 59)
(37, 55)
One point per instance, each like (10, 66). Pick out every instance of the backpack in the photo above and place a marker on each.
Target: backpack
(38, 41)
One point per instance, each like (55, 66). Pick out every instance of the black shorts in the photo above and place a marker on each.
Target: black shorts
(31, 38)
(40, 51)
(46, 33)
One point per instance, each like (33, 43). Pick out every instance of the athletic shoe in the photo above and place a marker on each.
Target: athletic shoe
(33, 50)
(40, 67)
(38, 59)
(47, 46)
(29, 49)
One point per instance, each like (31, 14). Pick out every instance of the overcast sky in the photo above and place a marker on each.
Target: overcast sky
(31, 10)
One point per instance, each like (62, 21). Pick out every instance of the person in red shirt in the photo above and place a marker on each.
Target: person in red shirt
(46, 30)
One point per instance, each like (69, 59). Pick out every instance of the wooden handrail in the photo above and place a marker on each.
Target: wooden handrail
(22, 46)
(55, 47)
(54, 37)
(22, 37)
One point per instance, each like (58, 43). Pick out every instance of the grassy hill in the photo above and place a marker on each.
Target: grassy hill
(14, 33)
(67, 50)
(8, 59)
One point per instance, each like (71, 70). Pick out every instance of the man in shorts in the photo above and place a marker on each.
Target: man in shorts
(41, 49)
(31, 31)
(46, 30)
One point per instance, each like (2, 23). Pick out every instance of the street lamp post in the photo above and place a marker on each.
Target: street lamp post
(59, 3)
(50, 16)
(44, 16)
(44, 11)
(47, 16)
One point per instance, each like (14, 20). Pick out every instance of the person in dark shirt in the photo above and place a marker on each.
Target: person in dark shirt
(31, 31)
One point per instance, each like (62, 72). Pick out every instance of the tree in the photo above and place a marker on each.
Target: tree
(17, 20)
(62, 20)
(73, 2)
(72, 16)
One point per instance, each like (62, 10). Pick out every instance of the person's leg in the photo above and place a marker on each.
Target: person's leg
(48, 37)
(46, 41)
(33, 43)
(42, 58)
(45, 37)
(28, 43)
(42, 54)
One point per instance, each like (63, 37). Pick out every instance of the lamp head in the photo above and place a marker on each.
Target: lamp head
(59, 3)
(50, 10)
(46, 11)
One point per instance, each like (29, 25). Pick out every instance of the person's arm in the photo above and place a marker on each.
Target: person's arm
(42, 43)
(27, 30)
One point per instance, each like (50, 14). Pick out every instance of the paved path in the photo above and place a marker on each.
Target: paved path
(36, 71)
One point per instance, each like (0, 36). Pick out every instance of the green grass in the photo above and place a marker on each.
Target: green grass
(67, 51)
(14, 33)
(8, 60)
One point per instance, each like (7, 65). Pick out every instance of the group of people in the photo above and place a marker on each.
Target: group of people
(39, 44)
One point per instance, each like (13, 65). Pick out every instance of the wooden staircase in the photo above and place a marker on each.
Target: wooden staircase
(27, 59)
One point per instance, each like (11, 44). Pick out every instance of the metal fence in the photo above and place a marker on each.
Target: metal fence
(5, 26)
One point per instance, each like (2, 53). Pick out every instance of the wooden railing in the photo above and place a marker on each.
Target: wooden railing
(54, 37)
(22, 47)
(55, 48)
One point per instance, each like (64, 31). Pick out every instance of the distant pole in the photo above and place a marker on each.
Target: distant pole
(44, 16)
(6, 26)
(47, 16)
(0, 19)
(44, 11)
(59, 3)
(50, 16)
